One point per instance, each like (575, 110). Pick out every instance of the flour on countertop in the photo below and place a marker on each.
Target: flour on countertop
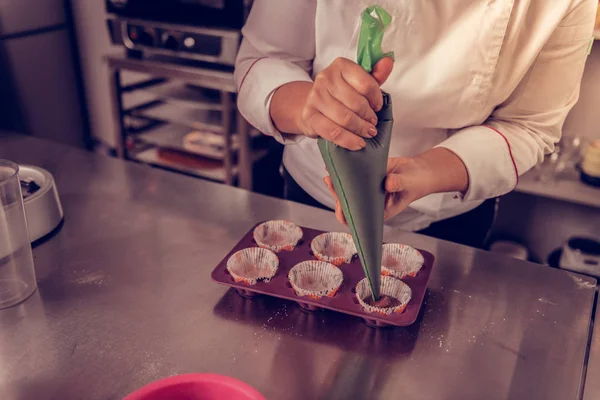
(546, 301)
(87, 278)
(581, 283)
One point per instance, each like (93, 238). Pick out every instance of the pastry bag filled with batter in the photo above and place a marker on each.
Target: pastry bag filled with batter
(358, 176)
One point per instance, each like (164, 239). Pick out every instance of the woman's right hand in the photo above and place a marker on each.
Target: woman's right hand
(339, 106)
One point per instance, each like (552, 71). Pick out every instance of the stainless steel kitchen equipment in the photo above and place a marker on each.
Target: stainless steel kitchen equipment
(183, 100)
(40, 198)
(190, 124)
(204, 30)
(141, 37)
(103, 323)
(581, 255)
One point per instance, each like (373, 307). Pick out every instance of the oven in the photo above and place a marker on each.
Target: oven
(202, 30)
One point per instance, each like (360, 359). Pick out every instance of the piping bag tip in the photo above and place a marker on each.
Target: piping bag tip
(358, 176)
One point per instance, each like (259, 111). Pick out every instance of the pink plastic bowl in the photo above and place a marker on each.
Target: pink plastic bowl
(196, 387)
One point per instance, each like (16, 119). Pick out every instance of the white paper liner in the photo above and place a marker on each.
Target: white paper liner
(315, 279)
(277, 235)
(334, 247)
(399, 260)
(253, 264)
(391, 287)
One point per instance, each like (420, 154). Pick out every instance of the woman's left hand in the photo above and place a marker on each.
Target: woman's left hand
(409, 179)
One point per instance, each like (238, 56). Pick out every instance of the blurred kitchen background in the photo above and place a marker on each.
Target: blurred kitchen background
(152, 82)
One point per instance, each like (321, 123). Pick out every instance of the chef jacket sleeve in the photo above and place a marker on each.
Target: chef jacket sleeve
(522, 130)
(278, 48)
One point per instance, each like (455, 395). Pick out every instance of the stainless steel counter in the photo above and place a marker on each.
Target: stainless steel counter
(125, 298)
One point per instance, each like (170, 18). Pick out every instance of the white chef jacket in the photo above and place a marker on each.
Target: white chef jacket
(490, 80)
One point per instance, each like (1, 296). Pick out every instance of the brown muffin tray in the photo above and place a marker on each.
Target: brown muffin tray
(343, 301)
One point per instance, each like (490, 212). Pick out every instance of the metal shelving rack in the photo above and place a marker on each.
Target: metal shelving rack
(183, 98)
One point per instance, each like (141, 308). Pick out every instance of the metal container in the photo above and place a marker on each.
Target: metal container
(581, 255)
(40, 198)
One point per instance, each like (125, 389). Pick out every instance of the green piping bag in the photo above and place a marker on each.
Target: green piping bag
(374, 21)
(358, 176)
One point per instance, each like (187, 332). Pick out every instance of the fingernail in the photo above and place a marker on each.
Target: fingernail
(362, 144)
(373, 121)
(392, 184)
(372, 132)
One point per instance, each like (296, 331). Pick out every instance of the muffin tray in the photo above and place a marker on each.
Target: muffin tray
(343, 301)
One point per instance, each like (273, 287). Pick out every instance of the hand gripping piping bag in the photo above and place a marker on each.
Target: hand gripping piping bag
(358, 176)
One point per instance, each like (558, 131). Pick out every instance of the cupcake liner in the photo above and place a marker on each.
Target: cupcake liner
(334, 247)
(315, 279)
(399, 260)
(392, 287)
(253, 264)
(277, 235)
